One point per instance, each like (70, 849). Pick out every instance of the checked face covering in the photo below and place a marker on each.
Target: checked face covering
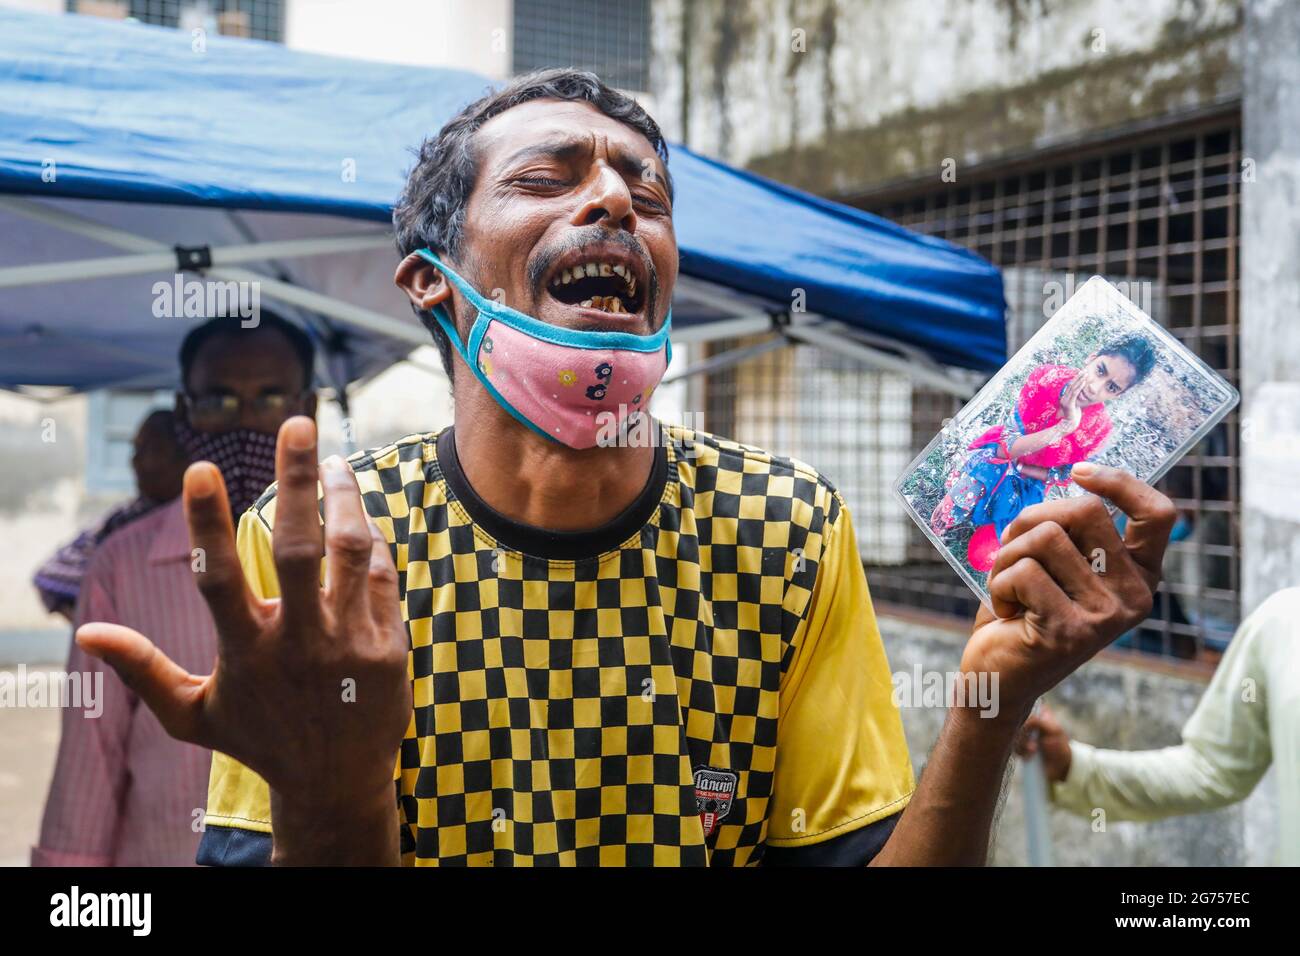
(245, 457)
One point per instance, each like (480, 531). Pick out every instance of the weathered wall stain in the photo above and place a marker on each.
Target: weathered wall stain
(856, 109)
(735, 29)
(987, 123)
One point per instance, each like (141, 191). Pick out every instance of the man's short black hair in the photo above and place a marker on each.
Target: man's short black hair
(232, 326)
(431, 211)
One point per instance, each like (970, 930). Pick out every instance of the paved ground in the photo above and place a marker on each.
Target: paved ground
(28, 739)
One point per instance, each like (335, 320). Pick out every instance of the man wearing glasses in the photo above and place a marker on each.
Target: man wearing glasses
(124, 793)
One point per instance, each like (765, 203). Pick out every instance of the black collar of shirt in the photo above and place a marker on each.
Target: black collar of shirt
(563, 545)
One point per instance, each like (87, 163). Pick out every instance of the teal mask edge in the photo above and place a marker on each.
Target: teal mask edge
(489, 309)
(572, 338)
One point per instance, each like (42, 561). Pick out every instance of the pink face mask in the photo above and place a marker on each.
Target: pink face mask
(577, 388)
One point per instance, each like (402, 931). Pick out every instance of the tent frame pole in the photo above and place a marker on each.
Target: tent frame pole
(730, 358)
(833, 336)
(353, 315)
(828, 337)
(729, 328)
(106, 266)
(149, 255)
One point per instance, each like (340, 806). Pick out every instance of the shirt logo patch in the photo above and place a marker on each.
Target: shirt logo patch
(714, 792)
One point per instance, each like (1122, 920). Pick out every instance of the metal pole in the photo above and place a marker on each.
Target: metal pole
(404, 331)
(730, 358)
(815, 335)
(164, 260)
(1038, 835)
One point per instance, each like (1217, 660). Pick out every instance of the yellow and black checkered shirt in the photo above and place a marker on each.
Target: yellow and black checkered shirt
(697, 683)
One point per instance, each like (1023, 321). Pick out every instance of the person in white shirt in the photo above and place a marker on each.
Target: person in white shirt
(1247, 720)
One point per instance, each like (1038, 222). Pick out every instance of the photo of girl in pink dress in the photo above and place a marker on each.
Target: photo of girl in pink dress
(1060, 419)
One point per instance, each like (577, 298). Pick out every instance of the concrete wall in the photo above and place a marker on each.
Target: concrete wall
(1109, 702)
(1270, 301)
(43, 503)
(875, 92)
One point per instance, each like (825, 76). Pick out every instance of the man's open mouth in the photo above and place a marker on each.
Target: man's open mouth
(608, 286)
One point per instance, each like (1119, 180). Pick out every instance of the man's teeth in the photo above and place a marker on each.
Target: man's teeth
(598, 269)
(606, 303)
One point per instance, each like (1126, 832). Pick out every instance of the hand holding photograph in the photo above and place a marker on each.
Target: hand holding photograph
(1099, 382)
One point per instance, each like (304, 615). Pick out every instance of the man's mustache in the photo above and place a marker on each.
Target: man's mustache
(589, 236)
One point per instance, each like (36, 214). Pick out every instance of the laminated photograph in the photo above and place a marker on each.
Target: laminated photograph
(1099, 382)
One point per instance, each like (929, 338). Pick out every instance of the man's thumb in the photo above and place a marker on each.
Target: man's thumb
(172, 693)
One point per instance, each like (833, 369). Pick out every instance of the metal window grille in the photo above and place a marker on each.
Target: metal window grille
(258, 19)
(607, 37)
(1160, 210)
(824, 409)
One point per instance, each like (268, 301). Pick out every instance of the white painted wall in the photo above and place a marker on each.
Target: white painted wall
(1270, 303)
(466, 34)
(35, 6)
(43, 500)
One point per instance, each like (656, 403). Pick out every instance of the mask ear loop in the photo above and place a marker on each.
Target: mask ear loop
(444, 320)
(440, 316)
(439, 313)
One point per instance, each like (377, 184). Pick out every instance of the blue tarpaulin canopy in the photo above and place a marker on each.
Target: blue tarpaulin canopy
(120, 142)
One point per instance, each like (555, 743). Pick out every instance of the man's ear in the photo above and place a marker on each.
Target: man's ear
(309, 406)
(423, 283)
(179, 409)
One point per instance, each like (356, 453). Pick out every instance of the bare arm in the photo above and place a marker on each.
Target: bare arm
(1026, 445)
(950, 817)
(1054, 613)
(316, 834)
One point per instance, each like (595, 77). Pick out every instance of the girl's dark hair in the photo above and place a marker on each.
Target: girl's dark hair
(431, 211)
(1135, 350)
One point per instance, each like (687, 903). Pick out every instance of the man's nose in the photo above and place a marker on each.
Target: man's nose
(607, 201)
(250, 417)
